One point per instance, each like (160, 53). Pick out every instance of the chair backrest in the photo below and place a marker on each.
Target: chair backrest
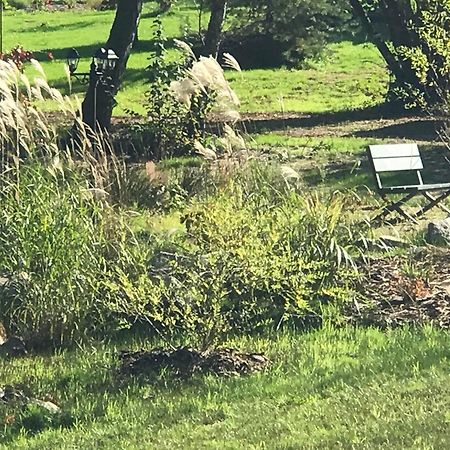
(395, 158)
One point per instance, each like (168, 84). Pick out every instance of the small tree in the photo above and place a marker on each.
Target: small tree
(413, 36)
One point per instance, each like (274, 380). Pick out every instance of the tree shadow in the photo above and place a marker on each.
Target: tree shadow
(47, 28)
(339, 175)
(87, 51)
(424, 129)
(257, 123)
(412, 125)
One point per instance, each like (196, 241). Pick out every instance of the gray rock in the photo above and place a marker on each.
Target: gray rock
(438, 232)
(49, 406)
(14, 346)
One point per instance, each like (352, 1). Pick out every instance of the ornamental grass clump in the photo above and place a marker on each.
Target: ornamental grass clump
(183, 95)
(61, 240)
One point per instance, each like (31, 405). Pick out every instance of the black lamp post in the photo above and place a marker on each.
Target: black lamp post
(73, 58)
(105, 60)
(103, 64)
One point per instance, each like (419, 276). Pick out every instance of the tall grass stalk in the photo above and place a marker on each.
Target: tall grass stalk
(61, 241)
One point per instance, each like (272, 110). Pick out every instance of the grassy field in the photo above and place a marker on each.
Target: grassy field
(334, 387)
(348, 388)
(348, 76)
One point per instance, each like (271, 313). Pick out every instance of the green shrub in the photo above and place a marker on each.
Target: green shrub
(20, 4)
(269, 33)
(94, 4)
(248, 262)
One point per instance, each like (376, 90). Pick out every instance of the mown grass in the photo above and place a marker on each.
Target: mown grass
(348, 76)
(333, 388)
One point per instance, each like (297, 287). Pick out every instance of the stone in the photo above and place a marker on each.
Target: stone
(438, 232)
(13, 346)
(49, 406)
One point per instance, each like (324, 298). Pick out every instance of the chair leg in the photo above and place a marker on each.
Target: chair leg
(396, 207)
(406, 215)
(433, 201)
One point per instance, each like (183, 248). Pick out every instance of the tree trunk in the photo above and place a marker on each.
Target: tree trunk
(214, 32)
(401, 22)
(121, 39)
(386, 53)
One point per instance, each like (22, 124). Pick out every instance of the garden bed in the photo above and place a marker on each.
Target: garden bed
(405, 290)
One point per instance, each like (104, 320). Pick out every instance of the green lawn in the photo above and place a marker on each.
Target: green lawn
(347, 388)
(331, 388)
(348, 76)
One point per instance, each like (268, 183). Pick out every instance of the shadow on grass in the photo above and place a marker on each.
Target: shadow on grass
(424, 129)
(417, 128)
(86, 51)
(351, 174)
(47, 28)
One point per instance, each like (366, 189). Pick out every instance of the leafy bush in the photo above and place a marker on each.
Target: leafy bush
(284, 31)
(19, 4)
(182, 95)
(249, 261)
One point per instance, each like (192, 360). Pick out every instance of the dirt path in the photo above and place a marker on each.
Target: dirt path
(376, 122)
(364, 124)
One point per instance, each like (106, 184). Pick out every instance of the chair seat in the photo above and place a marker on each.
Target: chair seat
(417, 187)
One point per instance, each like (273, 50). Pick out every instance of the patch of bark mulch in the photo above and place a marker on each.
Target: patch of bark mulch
(185, 362)
(408, 289)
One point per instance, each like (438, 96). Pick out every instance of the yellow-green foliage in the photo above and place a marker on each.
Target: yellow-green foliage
(251, 261)
(431, 59)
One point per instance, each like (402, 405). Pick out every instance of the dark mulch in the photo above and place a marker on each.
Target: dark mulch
(185, 362)
(407, 289)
